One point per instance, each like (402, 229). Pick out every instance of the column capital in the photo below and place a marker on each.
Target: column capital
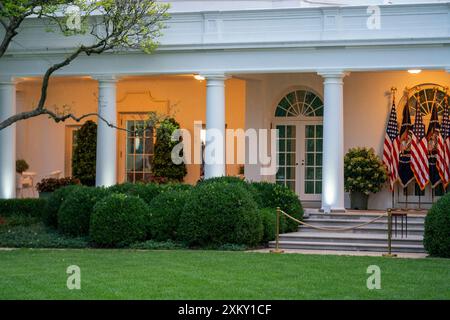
(105, 78)
(8, 79)
(333, 74)
(221, 76)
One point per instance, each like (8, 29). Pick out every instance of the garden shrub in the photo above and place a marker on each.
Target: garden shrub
(236, 180)
(273, 195)
(118, 220)
(437, 228)
(269, 221)
(165, 211)
(54, 202)
(85, 153)
(162, 164)
(175, 187)
(75, 212)
(52, 184)
(218, 213)
(144, 191)
(29, 206)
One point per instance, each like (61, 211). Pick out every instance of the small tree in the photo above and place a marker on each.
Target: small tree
(84, 154)
(162, 165)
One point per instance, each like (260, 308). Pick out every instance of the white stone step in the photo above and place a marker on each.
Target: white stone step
(349, 237)
(350, 246)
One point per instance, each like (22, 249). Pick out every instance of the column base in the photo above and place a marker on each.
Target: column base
(337, 210)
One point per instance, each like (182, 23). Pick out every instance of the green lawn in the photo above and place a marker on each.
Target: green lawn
(128, 274)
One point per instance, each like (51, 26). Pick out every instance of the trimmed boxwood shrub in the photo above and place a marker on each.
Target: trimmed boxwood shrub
(118, 220)
(75, 212)
(54, 202)
(165, 211)
(144, 191)
(273, 195)
(437, 228)
(236, 180)
(218, 213)
(30, 207)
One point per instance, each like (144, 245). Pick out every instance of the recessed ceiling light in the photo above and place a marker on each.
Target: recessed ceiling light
(415, 71)
(199, 77)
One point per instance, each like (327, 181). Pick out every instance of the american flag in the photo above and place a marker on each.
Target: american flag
(419, 151)
(443, 155)
(392, 147)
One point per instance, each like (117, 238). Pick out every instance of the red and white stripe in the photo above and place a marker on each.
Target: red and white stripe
(443, 160)
(419, 160)
(391, 156)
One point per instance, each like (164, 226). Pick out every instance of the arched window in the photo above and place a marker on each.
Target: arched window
(300, 103)
(429, 95)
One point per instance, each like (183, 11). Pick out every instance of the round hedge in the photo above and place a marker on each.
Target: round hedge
(54, 202)
(118, 220)
(273, 195)
(437, 228)
(236, 180)
(164, 214)
(75, 212)
(144, 191)
(218, 213)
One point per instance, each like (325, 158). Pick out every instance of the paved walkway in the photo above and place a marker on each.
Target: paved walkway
(346, 253)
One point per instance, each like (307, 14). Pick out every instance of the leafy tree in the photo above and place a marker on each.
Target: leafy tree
(84, 154)
(162, 165)
(118, 25)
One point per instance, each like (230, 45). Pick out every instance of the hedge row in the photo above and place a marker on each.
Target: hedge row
(214, 213)
(28, 207)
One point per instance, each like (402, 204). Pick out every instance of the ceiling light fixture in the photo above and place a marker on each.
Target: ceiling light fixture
(415, 71)
(199, 77)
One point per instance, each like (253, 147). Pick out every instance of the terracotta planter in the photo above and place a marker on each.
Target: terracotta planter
(358, 200)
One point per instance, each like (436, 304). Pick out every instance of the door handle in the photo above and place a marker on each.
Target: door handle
(303, 162)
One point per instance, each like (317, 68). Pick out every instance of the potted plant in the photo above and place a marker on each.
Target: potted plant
(21, 166)
(364, 174)
(46, 186)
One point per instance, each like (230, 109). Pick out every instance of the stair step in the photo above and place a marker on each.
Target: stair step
(360, 218)
(382, 230)
(349, 238)
(347, 246)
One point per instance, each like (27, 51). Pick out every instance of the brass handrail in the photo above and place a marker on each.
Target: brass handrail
(389, 216)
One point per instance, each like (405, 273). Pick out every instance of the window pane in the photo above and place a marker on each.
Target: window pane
(282, 145)
(281, 173)
(291, 131)
(309, 131)
(309, 173)
(318, 159)
(319, 131)
(281, 131)
(290, 173)
(310, 145)
(309, 187)
(291, 185)
(281, 159)
(319, 145)
(310, 159)
(318, 173)
(318, 187)
(290, 145)
(290, 159)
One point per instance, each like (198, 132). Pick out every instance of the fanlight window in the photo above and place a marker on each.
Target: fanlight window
(300, 103)
(428, 97)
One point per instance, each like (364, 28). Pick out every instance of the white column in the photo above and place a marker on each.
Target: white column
(215, 126)
(106, 163)
(7, 139)
(333, 142)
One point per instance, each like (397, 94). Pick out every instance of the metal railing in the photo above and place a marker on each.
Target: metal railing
(390, 213)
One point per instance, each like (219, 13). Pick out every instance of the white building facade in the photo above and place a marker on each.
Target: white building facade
(321, 74)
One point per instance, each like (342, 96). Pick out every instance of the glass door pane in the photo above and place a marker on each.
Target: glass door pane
(139, 151)
(313, 159)
(287, 159)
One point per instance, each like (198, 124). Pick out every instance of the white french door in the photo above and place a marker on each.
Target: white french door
(136, 149)
(299, 148)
